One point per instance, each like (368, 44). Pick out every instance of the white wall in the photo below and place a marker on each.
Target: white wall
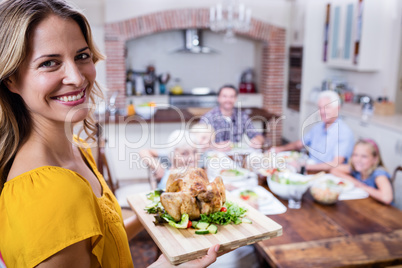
(297, 18)
(291, 125)
(314, 69)
(94, 10)
(272, 11)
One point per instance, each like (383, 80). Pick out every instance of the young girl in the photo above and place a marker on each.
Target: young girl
(202, 137)
(180, 153)
(366, 171)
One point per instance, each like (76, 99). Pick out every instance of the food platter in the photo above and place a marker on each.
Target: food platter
(182, 245)
(234, 174)
(289, 156)
(345, 185)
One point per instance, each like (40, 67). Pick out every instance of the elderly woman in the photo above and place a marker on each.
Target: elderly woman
(56, 209)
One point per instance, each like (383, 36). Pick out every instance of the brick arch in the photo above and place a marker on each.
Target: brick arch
(271, 83)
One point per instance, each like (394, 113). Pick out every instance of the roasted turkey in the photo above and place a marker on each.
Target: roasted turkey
(189, 191)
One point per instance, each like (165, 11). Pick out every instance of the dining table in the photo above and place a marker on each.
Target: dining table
(349, 233)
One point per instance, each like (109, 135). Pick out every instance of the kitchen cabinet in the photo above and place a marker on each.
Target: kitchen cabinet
(353, 34)
(291, 125)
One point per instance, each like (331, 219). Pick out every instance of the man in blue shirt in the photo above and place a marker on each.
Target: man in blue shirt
(231, 123)
(330, 141)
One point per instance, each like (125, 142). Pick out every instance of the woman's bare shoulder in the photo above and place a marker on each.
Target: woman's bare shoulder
(27, 159)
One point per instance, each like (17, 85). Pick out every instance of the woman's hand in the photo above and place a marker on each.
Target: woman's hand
(198, 263)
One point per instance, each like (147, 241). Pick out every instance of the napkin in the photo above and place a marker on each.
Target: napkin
(354, 193)
(273, 207)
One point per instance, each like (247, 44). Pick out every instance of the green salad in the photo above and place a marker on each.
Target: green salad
(284, 180)
(231, 172)
(233, 214)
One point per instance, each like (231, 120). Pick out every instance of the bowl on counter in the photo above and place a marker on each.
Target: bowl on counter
(325, 190)
(145, 111)
(280, 182)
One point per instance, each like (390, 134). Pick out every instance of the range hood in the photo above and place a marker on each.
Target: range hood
(193, 43)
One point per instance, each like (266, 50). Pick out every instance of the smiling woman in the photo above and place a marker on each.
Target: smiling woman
(51, 76)
(60, 208)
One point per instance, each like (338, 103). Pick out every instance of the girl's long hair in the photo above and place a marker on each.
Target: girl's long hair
(18, 18)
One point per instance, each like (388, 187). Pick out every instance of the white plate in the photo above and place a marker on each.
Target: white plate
(264, 197)
(229, 179)
(267, 203)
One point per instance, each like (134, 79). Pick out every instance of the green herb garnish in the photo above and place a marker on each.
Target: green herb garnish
(233, 214)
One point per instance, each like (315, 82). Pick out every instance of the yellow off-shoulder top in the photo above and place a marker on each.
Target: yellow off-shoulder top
(50, 208)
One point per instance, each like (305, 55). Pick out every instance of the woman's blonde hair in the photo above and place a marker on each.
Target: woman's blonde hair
(375, 152)
(18, 18)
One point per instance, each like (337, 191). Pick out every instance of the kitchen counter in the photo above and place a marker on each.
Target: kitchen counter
(353, 110)
(392, 122)
(171, 115)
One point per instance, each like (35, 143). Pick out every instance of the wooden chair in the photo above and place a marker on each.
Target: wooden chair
(394, 184)
(121, 191)
(393, 179)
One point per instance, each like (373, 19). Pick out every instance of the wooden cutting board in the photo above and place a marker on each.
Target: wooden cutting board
(182, 245)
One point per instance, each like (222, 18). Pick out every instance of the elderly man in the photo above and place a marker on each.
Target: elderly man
(330, 142)
(231, 123)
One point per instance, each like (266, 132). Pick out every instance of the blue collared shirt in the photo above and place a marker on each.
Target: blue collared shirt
(326, 144)
(230, 128)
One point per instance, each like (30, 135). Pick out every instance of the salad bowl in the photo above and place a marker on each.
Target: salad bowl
(281, 182)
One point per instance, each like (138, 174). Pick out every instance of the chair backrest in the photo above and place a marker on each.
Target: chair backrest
(102, 162)
(153, 179)
(162, 160)
(105, 170)
(393, 179)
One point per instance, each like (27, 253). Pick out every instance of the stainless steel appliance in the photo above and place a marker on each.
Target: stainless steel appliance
(193, 43)
(187, 100)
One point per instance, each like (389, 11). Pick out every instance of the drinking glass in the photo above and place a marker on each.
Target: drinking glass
(302, 161)
(295, 196)
(252, 180)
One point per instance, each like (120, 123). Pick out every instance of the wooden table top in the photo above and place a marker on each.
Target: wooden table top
(351, 233)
